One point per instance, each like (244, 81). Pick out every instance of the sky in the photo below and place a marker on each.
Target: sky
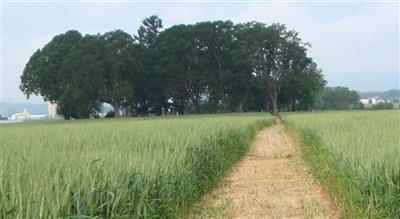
(355, 44)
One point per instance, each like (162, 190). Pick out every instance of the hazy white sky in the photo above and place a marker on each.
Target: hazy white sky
(355, 44)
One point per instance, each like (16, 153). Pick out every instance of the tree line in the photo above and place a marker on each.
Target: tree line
(206, 67)
(338, 98)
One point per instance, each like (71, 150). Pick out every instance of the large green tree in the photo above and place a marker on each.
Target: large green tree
(176, 70)
(205, 67)
(214, 43)
(275, 55)
(43, 74)
(80, 73)
(120, 62)
(80, 97)
(197, 67)
(151, 96)
(57, 73)
(304, 82)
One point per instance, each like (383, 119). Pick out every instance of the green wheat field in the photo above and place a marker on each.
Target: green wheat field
(357, 155)
(159, 167)
(118, 168)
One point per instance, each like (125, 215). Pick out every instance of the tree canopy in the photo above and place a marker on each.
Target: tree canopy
(206, 67)
(338, 98)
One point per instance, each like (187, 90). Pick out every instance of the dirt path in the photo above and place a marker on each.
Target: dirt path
(271, 182)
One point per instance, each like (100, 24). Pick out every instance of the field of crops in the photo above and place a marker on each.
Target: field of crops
(357, 155)
(125, 168)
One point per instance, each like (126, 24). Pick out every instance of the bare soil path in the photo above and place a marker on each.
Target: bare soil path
(271, 182)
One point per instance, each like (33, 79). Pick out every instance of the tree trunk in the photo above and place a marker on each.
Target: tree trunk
(158, 110)
(273, 95)
(266, 105)
(117, 110)
(274, 107)
(224, 107)
(293, 105)
(224, 99)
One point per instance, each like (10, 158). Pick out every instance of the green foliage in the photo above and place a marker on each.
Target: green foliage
(118, 168)
(207, 67)
(355, 154)
(80, 73)
(149, 30)
(382, 105)
(338, 98)
(360, 106)
(80, 96)
(121, 63)
(110, 114)
(43, 74)
(299, 91)
(279, 61)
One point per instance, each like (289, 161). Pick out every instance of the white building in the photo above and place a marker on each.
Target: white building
(52, 109)
(364, 101)
(26, 115)
(371, 100)
(16, 116)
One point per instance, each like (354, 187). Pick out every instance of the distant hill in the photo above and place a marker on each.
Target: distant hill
(8, 109)
(389, 94)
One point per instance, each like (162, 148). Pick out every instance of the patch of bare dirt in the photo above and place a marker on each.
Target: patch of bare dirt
(271, 182)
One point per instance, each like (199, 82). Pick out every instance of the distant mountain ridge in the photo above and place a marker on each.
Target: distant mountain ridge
(389, 94)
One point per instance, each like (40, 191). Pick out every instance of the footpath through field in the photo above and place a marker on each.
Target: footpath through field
(271, 182)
